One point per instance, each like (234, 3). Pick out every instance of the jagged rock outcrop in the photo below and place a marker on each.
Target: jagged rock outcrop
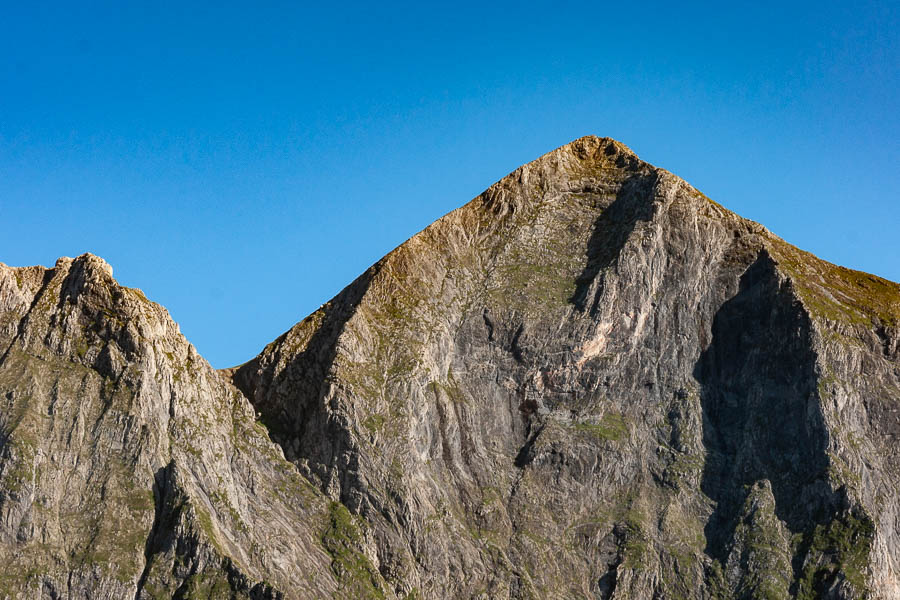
(590, 381)
(129, 468)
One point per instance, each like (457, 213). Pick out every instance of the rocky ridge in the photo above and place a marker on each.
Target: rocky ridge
(129, 467)
(590, 381)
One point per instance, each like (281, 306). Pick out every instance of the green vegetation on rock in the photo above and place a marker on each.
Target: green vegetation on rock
(838, 549)
(612, 427)
(341, 539)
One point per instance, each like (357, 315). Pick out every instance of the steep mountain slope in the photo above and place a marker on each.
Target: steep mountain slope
(589, 382)
(593, 381)
(129, 468)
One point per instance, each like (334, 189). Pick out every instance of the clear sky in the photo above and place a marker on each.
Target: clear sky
(242, 163)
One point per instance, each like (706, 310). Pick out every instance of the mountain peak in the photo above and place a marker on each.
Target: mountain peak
(590, 144)
(86, 261)
(594, 325)
(589, 381)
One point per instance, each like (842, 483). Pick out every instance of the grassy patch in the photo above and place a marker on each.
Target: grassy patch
(611, 427)
(357, 577)
(374, 423)
(836, 293)
(839, 547)
(683, 469)
(637, 544)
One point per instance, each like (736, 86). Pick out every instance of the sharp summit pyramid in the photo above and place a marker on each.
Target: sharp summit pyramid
(591, 381)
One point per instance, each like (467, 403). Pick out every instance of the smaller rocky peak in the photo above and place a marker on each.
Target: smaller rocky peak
(70, 275)
(84, 272)
(79, 312)
(85, 262)
(94, 264)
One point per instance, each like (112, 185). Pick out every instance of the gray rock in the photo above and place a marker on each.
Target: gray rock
(128, 466)
(591, 381)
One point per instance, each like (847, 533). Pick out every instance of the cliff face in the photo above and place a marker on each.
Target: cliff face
(590, 381)
(129, 468)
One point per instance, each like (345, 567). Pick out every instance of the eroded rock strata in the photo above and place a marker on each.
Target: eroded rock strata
(591, 381)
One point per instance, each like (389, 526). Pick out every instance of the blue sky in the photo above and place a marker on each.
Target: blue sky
(241, 164)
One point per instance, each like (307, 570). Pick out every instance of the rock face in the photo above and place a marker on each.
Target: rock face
(589, 382)
(129, 468)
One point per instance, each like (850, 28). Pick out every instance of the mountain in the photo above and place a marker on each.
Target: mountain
(591, 381)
